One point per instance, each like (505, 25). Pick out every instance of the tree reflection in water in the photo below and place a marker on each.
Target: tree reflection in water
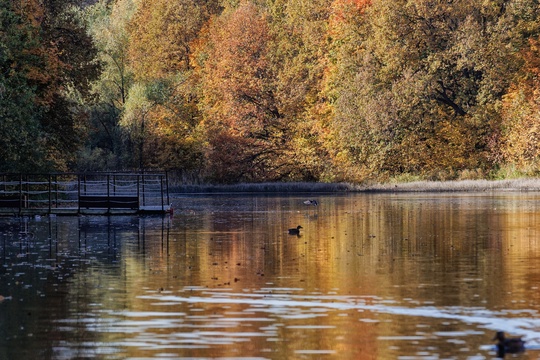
(372, 277)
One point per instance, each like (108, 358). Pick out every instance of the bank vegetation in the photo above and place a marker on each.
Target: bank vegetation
(393, 187)
(265, 91)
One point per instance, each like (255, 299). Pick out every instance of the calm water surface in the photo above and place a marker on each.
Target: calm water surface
(386, 276)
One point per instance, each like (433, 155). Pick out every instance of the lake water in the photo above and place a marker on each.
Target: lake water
(371, 276)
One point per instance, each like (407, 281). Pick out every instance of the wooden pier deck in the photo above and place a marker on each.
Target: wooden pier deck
(89, 193)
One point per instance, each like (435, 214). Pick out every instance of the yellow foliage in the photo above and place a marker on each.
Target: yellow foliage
(521, 130)
(520, 127)
(160, 35)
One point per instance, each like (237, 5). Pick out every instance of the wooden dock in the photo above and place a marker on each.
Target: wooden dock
(88, 193)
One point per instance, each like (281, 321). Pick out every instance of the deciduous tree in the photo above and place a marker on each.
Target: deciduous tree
(162, 34)
(519, 137)
(248, 137)
(299, 60)
(426, 71)
(20, 146)
(106, 147)
(47, 57)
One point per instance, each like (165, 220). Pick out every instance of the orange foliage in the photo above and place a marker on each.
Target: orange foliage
(242, 117)
(520, 136)
(531, 56)
(237, 71)
(45, 70)
(342, 10)
(231, 156)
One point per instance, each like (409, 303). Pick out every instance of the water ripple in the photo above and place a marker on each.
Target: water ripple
(283, 304)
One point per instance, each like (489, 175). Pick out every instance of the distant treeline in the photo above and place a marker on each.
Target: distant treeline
(235, 91)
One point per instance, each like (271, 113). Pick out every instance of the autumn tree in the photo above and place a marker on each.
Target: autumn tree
(161, 36)
(161, 33)
(20, 146)
(48, 61)
(248, 136)
(108, 27)
(346, 32)
(71, 66)
(518, 142)
(299, 60)
(426, 82)
(106, 147)
(331, 90)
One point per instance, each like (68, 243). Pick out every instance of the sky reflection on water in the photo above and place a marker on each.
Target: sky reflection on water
(423, 276)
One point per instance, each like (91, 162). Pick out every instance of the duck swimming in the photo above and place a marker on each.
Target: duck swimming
(311, 202)
(295, 231)
(508, 345)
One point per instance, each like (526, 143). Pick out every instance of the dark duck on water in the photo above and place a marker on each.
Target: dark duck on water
(295, 231)
(508, 345)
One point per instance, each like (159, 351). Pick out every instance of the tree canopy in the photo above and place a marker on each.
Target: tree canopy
(272, 90)
(46, 61)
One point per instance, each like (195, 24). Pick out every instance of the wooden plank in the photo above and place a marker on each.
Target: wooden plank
(124, 202)
(108, 202)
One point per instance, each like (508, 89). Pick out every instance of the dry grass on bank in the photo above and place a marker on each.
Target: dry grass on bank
(292, 187)
(457, 186)
(414, 186)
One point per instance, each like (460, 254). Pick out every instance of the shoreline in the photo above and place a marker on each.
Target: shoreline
(526, 184)
(458, 186)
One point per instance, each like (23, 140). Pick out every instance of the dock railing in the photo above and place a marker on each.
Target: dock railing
(72, 192)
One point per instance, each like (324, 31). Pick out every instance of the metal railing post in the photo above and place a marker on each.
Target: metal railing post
(20, 194)
(167, 186)
(79, 193)
(50, 194)
(161, 192)
(108, 193)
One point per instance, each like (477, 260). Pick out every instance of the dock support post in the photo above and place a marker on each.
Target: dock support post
(56, 191)
(108, 194)
(79, 193)
(50, 194)
(143, 190)
(139, 190)
(167, 186)
(161, 191)
(20, 194)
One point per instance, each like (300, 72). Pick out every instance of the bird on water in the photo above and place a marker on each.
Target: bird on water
(295, 231)
(508, 345)
(311, 202)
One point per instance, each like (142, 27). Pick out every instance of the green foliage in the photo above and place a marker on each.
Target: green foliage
(107, 25)
(19, 125)
(106, 145)
(45, 56)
